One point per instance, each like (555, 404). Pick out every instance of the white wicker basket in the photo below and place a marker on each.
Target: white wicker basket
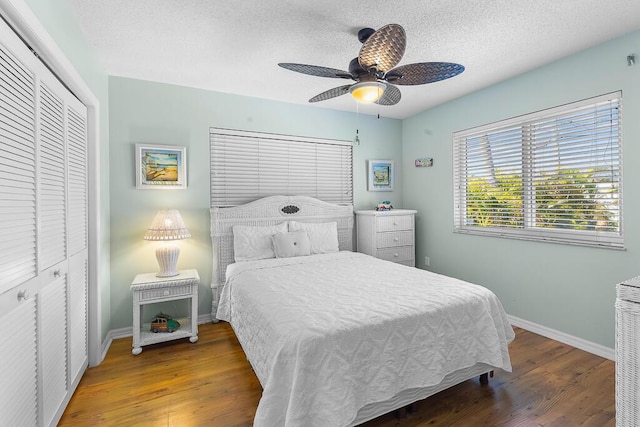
(628, 353)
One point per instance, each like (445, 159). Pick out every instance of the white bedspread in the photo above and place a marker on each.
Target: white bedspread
(328, 334)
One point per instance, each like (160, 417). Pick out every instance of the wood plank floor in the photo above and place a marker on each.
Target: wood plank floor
(210, 383)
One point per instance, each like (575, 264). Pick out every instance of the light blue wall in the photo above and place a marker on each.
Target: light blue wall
(148, 112)
(61, 24)
(567, 288)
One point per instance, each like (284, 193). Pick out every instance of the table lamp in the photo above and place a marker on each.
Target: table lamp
(166, 227)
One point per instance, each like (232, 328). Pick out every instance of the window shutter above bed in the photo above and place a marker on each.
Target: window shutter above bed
(246, 166)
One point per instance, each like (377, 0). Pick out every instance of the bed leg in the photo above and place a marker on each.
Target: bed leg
(214, 302)
(484, 378)
(401, 413)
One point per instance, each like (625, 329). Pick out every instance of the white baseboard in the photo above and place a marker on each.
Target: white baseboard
(582, 344)
(115, 334)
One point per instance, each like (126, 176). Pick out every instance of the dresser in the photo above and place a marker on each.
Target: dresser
(388, 235)
(628, 353)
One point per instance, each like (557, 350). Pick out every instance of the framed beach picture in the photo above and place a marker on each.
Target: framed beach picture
(380, 175)
(161, 166)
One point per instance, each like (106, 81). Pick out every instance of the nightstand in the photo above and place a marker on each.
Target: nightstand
(388, 235)
(149, 289)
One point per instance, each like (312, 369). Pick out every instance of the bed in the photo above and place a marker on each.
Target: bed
(336, 337)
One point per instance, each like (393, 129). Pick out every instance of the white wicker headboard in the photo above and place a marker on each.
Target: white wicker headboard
(270, 211)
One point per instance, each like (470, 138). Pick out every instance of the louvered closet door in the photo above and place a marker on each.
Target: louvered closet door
(53, 198)
(63, 244)
(17, 171)
(52, 258)
(19, 281)
(43, 238)
(78, 237)
(52, 306)
(18, 393)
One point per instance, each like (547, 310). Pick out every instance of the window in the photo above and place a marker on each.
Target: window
(246, 166)
(554, 175)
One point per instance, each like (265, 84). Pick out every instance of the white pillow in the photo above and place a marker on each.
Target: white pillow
(293, 243)
(323, 236)
(252, 243)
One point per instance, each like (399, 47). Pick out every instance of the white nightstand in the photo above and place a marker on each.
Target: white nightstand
(387, 235)
(149, 289)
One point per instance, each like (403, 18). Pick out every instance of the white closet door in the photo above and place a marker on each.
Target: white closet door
(43, 237)
(78, 237)
(77, 310)
(18, 394)
(77, 177)
(19, 281)
(52, 307)
(17, 171)
(53, 226)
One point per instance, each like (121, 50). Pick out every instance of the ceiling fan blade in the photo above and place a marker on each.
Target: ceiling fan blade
(331, 93)
(384, 48)
(391, 96)
(423, 72)
(315, 70)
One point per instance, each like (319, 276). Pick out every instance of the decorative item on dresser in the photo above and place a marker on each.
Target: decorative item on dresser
(167, 226)
(387, 235)
(628, 353)
(148, 289)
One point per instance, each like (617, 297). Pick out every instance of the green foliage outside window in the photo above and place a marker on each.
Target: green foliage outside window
(564, 199)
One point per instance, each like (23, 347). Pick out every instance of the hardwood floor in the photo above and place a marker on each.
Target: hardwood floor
(210, 383)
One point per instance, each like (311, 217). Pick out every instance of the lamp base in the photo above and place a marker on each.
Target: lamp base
(167, 257)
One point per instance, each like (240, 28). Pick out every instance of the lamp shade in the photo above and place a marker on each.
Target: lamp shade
(167, 225)
(367, 92)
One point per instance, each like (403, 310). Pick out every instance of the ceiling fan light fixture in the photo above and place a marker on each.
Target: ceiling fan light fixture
(367, 92)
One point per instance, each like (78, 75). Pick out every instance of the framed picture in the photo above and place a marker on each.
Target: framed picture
(161, 166)
(380, 175)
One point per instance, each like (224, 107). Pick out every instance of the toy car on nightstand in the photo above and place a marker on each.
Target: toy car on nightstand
(164, 323)
(384, 206)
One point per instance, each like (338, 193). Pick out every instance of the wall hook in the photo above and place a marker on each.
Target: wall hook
(631, 59)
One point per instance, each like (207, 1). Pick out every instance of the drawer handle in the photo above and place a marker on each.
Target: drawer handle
(396, 255)
(166, 293)
(395, 223)
(56, 273)
(396, 239)
(23, 295)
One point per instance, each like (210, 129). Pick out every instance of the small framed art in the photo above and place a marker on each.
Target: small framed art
(161, 166)
(380, 175)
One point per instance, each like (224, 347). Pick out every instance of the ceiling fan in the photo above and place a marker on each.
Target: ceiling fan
(373, 71)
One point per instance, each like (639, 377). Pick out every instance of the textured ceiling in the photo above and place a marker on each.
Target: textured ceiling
(235, 46)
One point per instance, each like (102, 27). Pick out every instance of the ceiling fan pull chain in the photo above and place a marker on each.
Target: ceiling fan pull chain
(357, 140)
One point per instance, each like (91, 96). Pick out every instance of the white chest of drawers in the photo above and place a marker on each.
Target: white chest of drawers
(387, 235)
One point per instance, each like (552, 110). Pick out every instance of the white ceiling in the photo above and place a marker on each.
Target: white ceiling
(235, 46)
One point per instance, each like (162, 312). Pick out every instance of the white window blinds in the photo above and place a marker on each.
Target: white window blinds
(554, 175)
(246, 166)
